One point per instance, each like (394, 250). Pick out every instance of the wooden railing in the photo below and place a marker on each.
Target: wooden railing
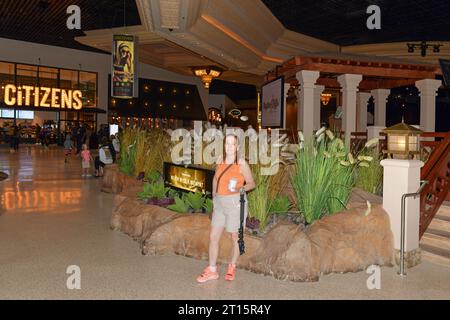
(430, 141)
(357, 141)
(437, 172)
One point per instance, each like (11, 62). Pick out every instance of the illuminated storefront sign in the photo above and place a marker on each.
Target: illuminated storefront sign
(188, 178)
(42, 97)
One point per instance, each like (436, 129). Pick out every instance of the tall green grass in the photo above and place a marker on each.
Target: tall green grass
(258, 199)
(261, 200)
(144, 150)
(370, 178)
(324, 175)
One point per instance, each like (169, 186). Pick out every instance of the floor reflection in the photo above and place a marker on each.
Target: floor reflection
(40, 182)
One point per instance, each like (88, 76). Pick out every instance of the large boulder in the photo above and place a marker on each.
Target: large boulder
(188, 235)
(348, 241)
(137, 219)
(351, 241)
(359, 197)
(115, 182)
(287, 253)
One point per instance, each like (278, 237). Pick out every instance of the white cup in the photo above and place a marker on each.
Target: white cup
(232, 185)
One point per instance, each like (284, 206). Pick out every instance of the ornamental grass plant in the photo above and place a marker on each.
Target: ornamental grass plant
(370, 178)
(158, 150)
(259, 201)
(144, 150)
(324, 174)
(127, 150)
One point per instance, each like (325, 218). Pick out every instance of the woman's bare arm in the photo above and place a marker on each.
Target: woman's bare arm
(214, 187)
(247, 173)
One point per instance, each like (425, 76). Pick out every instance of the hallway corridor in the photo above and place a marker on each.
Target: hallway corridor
(51, 218)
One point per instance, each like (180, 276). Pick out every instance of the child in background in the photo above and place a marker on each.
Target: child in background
(85, 160)
(67, 147)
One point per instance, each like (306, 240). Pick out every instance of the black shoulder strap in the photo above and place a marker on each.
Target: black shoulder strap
(218, 179)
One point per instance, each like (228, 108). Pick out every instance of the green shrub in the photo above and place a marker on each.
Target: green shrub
(154, 190)
(208, 205)
(280, 204)
(180, 205)
(172, 193)
(153, 176)
(195, 200)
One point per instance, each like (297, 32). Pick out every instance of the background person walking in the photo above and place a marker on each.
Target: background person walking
(86, 159)
(68, 146)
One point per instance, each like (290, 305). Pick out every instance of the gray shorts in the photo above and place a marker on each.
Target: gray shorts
(227, 212)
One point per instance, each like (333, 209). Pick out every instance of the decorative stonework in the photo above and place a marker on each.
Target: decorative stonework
(348, 241)
(412, 258)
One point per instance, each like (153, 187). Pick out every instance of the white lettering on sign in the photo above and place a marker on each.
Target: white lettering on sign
(42, 97)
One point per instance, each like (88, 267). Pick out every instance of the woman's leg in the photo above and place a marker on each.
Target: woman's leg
(102, 169)
(97, 165)
(214, 238)
(235, 253)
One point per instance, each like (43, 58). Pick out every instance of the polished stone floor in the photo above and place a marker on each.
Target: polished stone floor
(51, 218)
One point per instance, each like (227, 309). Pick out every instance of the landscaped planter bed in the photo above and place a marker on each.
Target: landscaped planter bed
(348, 241)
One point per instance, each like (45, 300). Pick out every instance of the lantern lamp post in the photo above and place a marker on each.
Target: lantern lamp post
(402, 141)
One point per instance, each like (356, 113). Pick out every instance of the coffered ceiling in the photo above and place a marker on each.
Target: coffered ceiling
(242, 37)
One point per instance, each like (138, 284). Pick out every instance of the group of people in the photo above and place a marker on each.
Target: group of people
(108, 150)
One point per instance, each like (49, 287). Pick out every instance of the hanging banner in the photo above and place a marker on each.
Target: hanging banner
(124, 72)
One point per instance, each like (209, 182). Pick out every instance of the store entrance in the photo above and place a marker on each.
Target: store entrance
(46, 127)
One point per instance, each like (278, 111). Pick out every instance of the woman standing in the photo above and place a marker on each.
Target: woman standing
(231, 176)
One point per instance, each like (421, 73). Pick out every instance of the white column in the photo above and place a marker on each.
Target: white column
(428, 89)
(305, 120)
(374, 132)
(349, 84)
(363, 98)
(400, 177)
(380, 96)
(317, 99)
(287, 86)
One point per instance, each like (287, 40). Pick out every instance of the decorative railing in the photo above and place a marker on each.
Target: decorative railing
(437, 172)
(430, 141)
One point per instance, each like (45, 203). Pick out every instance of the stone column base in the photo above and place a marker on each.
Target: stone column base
(412, 258)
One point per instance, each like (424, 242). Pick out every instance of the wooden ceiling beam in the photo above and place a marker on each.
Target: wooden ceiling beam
(382, 72)
(365, 85)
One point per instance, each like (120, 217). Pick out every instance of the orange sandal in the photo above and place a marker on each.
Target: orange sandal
(231, 273)
(207, 275)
